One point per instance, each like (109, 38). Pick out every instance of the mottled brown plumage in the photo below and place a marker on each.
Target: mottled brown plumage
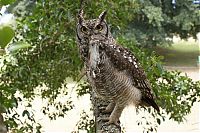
(112, 70)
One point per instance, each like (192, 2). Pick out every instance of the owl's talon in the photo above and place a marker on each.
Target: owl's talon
(110, 122)
(103, 119)
(104, 110)
(108, 109)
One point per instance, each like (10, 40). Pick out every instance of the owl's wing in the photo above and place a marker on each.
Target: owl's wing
(123, 59)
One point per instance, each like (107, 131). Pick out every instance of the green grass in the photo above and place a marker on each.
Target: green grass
(180, 54)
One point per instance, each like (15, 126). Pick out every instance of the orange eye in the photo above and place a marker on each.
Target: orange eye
(83, 29)
(99, 27)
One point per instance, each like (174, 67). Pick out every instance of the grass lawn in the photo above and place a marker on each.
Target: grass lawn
(182, 54)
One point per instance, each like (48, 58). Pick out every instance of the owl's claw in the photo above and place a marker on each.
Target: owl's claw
(104, 110)
(110, 122)
(102, 119)
(116, 123)
(107, 109)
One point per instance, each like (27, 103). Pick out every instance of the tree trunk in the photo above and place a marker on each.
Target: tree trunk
(3, 128)
(100, 126)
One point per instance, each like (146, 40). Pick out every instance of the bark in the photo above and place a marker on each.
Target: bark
(100, 126)
(3, 128)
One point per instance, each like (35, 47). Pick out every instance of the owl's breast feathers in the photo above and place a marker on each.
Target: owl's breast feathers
(124, 60)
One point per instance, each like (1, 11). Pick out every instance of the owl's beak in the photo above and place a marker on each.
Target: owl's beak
(94, 39)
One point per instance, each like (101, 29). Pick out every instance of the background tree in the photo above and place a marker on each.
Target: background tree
(53, 56)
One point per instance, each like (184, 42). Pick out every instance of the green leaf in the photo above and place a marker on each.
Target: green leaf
(25, 112)
(158, 121)
(17, 46)
(6, 2)
(6, 35)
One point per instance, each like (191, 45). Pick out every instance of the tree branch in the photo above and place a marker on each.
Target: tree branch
(100, 126)
(3, 128)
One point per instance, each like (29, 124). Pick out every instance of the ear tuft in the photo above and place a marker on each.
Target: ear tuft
(102, 15)
(80, 16)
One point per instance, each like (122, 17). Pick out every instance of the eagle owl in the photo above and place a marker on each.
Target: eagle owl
(112, 70)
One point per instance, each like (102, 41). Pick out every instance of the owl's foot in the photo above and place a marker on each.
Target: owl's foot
(104, 110)
(115, 122)
(108, 109)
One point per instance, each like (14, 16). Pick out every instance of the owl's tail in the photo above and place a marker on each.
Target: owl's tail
(150, 102)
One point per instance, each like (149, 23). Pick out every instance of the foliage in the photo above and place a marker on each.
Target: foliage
(53, 55)
(158, 20)
(7, 34)
(21, 8)
(6, 2)
(86, 123)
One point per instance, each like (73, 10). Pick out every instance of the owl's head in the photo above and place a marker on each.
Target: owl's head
(93, 29)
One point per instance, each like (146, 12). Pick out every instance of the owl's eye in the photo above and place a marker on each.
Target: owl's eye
(99, 27)
(83, 29)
